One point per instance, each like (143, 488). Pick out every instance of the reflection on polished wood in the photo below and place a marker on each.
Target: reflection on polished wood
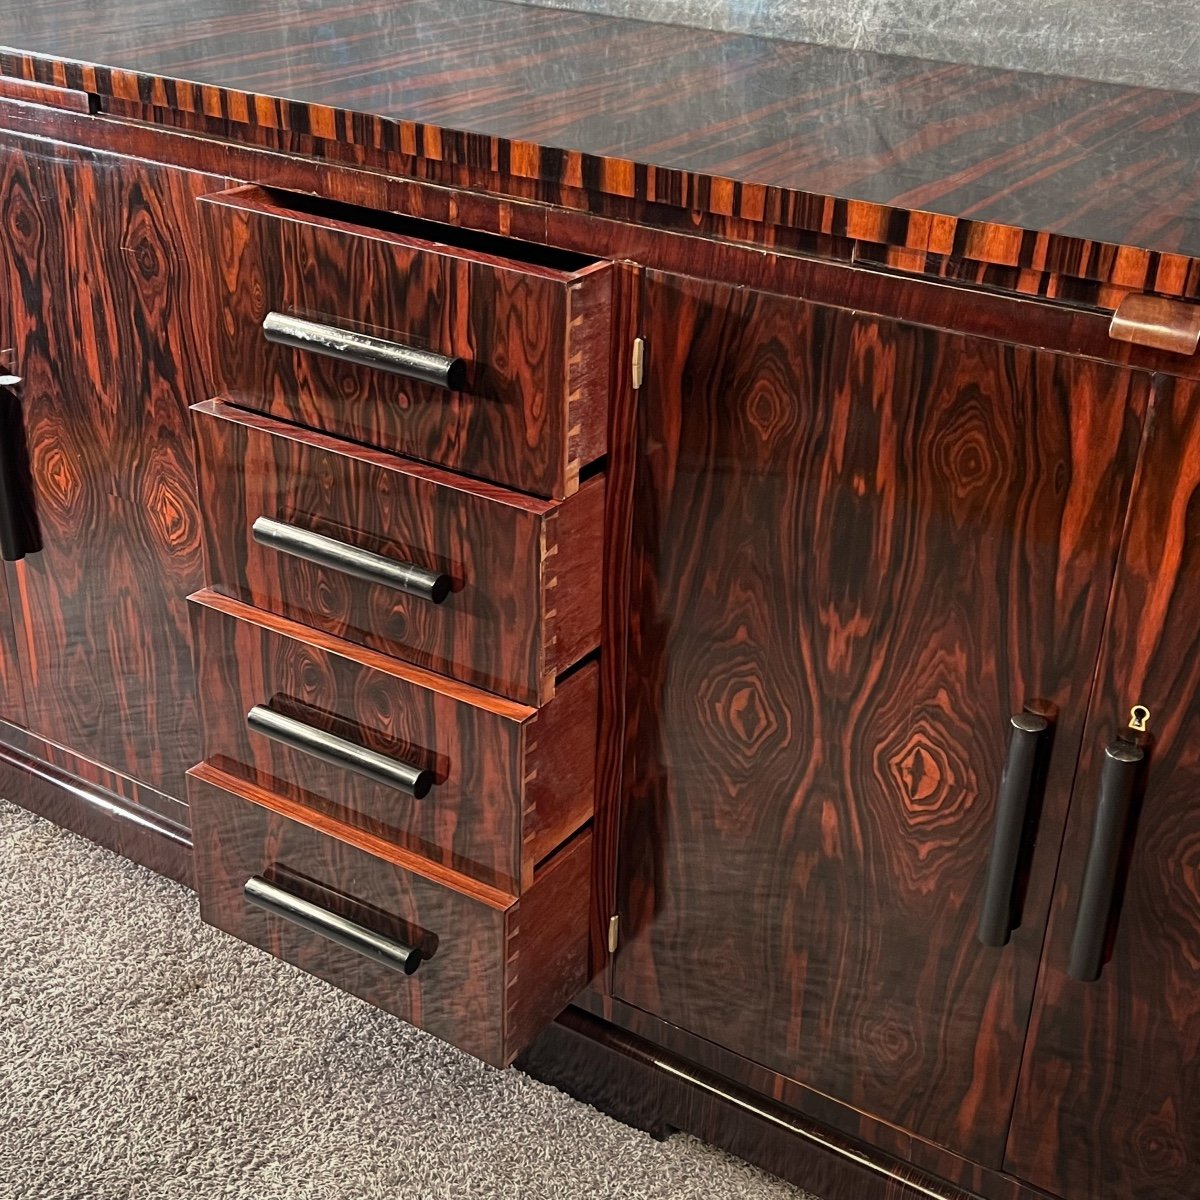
(524, 598)
(949, 159)
(509, 783)
(1109, 1104)
(863, 546)
(534, 338)
(106, 301)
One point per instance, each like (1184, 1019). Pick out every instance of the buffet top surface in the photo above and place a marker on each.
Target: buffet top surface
(902, 151)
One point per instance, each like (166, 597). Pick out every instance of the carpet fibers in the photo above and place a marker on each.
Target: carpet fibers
(145, 1056)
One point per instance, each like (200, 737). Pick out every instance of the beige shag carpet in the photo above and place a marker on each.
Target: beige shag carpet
(145, 1056)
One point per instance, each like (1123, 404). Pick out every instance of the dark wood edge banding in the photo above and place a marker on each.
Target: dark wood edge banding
(654, 1089)
(97, 814)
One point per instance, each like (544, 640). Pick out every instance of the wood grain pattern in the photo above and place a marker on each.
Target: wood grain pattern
(138, 797)
(1069, 1056)
(862, 545)
(496, 969)
(525, 600)
(486, 754)
(1051, 265)
(804, 1104)
(535, 338)
(1005, 167)
(30, 92)
(619, 517)
(1109, 1104)
(107, 379)
(730, 249)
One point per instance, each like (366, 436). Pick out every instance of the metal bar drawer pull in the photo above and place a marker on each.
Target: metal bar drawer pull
(1012, 806)
(363, 350)
(271, 898)
(391, 772)
(350, 560)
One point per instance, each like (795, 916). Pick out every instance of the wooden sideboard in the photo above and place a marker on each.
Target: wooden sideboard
(675, 573)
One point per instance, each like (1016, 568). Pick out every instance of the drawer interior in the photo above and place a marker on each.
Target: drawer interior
(418, 229)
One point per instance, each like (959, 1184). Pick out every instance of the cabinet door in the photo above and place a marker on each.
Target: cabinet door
(860, 547)
(1109, 1104)
(105, 310)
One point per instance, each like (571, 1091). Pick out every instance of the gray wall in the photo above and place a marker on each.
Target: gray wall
(1155, 43)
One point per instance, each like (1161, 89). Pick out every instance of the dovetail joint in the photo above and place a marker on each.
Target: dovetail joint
(639, 362)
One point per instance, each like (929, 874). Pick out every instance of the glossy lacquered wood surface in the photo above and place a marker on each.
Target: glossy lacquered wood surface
(638, 1081)
(97, 813)
(861, 546)
(733, 249)
(1010, 168)
(535, 339)
(524, 603)
(510, 782)
(496, 969)
(1109, 1105)
(106, 300)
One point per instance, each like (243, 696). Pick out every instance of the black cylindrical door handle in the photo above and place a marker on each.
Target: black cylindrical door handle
(363, 350)
(1117, 778)
(15, 541)
(1012, 805)
(350, 560)
(391, 772)
(387, 951)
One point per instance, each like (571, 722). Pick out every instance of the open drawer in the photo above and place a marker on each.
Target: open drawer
(478, 784)
(486, 585)
(484, 354)
(473, 965)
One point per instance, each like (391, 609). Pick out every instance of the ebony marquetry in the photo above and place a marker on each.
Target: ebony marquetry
(862, 546)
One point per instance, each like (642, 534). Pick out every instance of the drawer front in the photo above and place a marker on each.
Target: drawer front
(476, 783)
(505, 591)
(517, 391)
(471, 965)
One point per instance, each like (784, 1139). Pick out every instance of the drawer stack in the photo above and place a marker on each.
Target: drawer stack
(395, 648)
